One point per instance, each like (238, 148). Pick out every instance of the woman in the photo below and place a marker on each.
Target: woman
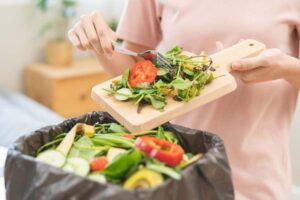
(254, 121)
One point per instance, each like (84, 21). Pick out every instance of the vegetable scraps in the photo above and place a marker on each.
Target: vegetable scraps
(142, 72)
(163, 150)
(149, 82)
(110, 153)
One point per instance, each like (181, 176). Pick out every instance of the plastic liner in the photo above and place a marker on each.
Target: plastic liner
(25, 178)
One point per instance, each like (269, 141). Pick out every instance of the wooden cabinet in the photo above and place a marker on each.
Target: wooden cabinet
(65, 90)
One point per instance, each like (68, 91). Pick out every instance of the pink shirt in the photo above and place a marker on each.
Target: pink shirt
(254, 121)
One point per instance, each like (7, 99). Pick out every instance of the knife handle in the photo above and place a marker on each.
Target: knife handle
(243, 49)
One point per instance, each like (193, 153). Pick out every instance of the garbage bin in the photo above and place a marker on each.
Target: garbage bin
(25, 178)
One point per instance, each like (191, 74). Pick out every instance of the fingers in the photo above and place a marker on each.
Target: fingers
(92, 32)
(244, 64)
(256, 75)
(247, 64)
(83, 38)
(75, 40)
(103, 33)
(247, 77)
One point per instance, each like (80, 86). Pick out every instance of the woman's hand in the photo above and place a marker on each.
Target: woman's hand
(271, 64)
(92, 32)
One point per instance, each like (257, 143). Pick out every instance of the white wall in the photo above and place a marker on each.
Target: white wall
(295, 146)
(20, 44)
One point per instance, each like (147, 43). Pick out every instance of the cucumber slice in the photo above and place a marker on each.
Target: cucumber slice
(81, 166)
(69, 168)
(123, 94)
(52, 157)
(98, 178)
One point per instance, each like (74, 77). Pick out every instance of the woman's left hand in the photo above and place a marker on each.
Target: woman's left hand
(271, 64)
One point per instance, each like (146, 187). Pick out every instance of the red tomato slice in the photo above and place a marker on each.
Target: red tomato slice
(142, 72)
(162, 150)
(98, 163)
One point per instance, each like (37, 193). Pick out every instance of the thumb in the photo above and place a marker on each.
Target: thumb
(246, 64)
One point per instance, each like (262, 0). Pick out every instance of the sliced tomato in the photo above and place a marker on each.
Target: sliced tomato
(142, 72)
(163, 150)
(98, 163)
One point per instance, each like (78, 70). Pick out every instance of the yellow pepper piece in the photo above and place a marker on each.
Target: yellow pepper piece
(89, 130)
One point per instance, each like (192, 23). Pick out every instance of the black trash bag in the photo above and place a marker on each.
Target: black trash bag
(25, 178)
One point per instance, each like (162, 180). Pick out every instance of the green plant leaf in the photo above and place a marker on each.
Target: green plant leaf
(43, 4)
(155, 102)
(144, 85)
(188, 72)
(161, 85)
(83, 148)
(181, 84)
(170, 136)
(122, 164)
(174, 51)
(161, 72)
(125, 77)
(116, 128)
(68, 3)
(164, 170)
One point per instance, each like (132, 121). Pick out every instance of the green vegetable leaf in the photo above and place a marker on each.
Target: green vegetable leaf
(164, 170)
(122, 164)
(160, 132)
(112, 140)
(170, 136)
(123, 94)
(188, 72)
(161, 72)
(160, 84)
(174, 51)
(144, 85)
(116, 128)
(125, 77)
(155, 102)
(210, 78)
(181, 84)
(84, 141)
(83, 148)
(145, 91)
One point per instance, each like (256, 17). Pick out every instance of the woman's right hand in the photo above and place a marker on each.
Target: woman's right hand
(92, 32)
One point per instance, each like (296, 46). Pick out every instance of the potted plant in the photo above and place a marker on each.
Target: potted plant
(59, 51)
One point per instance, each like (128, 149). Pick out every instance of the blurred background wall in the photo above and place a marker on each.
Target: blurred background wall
(20, 44)
(295, 148)
(20, 41)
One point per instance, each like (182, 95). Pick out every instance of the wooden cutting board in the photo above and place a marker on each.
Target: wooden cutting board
(149, 118)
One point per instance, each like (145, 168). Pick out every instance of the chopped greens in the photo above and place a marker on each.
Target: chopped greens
(113, 154)
(183, 81)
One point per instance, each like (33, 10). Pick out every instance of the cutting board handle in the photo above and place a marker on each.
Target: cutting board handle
(243, 49)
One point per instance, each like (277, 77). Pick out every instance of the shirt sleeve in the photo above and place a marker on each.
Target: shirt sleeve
(140, 23)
